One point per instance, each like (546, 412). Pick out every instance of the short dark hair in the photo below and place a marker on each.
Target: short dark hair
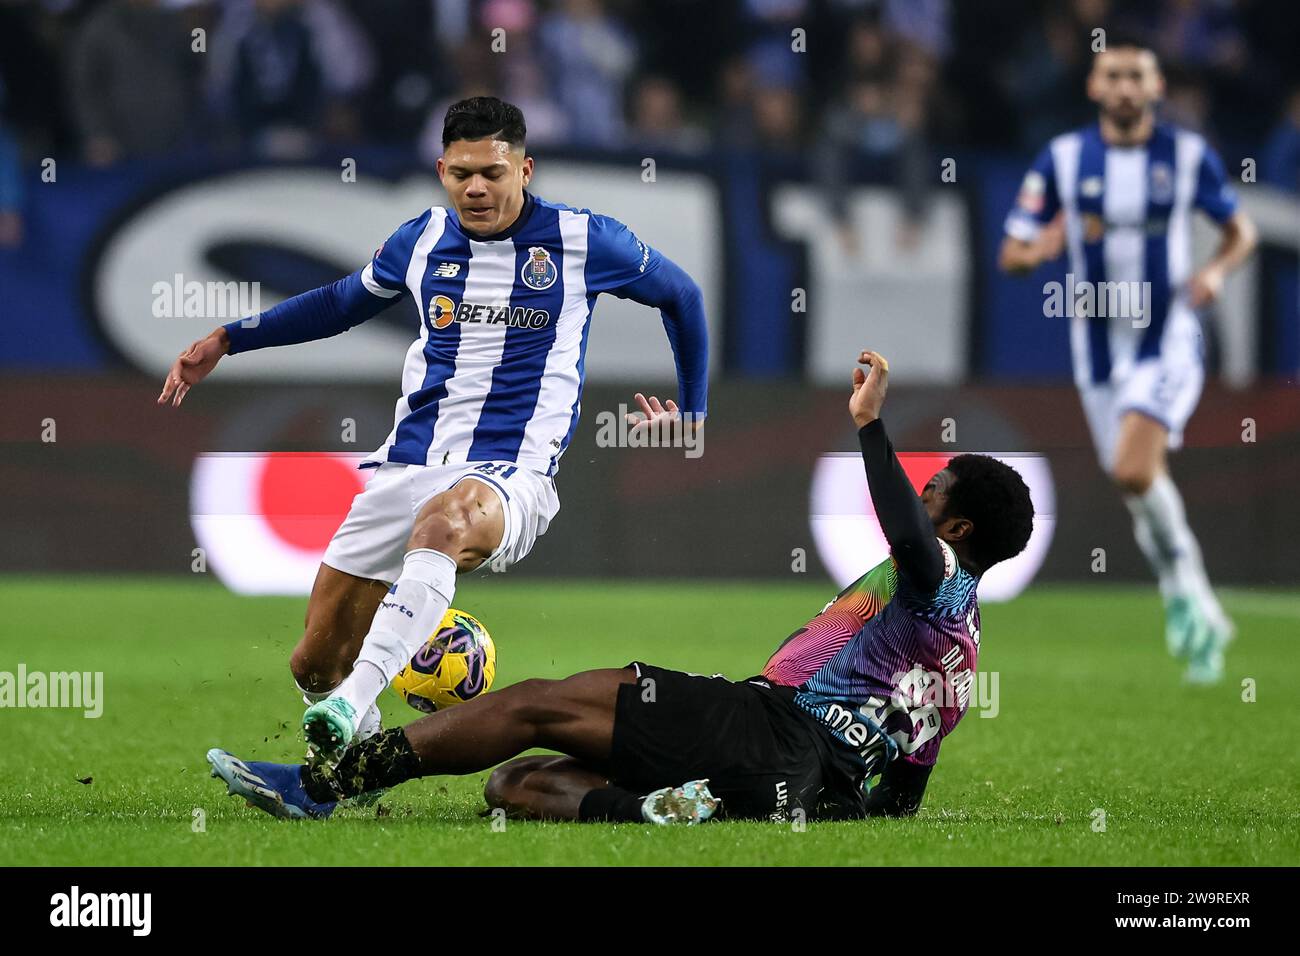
(1120, 38)
(484, 116)
(995, 499)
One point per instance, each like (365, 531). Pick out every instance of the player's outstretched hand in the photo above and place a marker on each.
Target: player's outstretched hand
(869, 388)
(192, 367)
(662, 418)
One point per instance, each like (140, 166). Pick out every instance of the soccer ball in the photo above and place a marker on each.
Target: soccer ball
(455, 665)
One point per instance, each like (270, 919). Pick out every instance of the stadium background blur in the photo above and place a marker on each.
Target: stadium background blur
(833, 173)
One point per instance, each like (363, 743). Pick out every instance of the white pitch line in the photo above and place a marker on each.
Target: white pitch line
(1265, 604)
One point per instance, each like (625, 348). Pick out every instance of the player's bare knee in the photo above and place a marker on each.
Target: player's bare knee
(312, 671)
(507, 784)
(499, 787)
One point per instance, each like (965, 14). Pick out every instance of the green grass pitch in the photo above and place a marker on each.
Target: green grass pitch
(1093, 717)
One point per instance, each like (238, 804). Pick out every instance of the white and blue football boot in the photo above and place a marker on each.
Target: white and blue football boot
(691, 803)
(273, 787)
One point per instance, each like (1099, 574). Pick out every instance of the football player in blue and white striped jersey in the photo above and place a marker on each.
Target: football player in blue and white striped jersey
(1120, 195)
(504, 284)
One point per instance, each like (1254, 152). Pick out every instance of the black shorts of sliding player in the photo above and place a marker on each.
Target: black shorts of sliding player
(759, 752)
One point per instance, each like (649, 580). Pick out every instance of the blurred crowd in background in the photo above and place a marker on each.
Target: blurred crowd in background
(878, 86)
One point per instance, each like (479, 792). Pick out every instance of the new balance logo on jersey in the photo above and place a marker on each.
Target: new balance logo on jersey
(443, 311)
(447, 270)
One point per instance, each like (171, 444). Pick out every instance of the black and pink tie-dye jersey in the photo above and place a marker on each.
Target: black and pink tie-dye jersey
(887, 670)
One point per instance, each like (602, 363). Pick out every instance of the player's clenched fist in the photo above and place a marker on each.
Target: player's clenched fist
(1205, 286)
(193, 365)
(869, 388)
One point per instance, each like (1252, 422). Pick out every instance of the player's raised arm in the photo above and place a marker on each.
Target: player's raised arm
(903, 517)
(628, 268)
(316, 314)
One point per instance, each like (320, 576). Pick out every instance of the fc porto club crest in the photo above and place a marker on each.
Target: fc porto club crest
(539, 271)
(1162, 183)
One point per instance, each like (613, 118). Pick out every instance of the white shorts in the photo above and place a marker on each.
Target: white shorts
(371, 542)
(1161, 388)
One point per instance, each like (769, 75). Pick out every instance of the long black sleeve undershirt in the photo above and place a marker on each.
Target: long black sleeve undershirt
(899, 791)
(902, 516)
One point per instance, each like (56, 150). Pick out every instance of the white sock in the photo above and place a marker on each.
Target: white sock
(405, 619)
(370, 724)
(310, 697)
(1160, 526)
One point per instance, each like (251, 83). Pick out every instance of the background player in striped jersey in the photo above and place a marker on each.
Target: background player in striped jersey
(1120, 195)
(504, 284)
(879, 701)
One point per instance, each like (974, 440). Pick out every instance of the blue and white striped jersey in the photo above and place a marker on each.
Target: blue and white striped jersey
(1128, 216)
(496, 371)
